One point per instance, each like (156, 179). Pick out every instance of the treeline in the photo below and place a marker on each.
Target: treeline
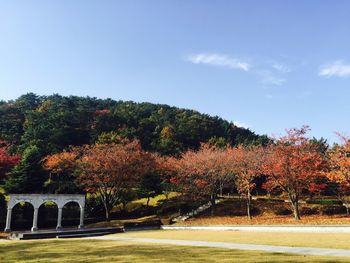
(292, 165)
(119, 151)
(33, 127)
(53, 123)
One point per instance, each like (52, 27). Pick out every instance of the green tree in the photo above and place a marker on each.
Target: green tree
(28, 176)
(150, 186)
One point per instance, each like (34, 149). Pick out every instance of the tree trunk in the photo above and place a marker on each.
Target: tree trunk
(107, 214)
(295, 204)
(106, 204)
(212, 201)
(249, 202)
(221, 188)
(148, 198)
(345, 203)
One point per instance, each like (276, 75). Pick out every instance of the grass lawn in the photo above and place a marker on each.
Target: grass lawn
(80, 250)
(321, 240)
(153, 202)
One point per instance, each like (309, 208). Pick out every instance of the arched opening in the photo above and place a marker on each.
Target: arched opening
(71, 214)
(22, 216)
(47, 216)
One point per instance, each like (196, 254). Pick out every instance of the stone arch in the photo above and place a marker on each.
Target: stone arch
(74, 201)
(38, 199)
(47, 214)
(70, 213)
(22, 214)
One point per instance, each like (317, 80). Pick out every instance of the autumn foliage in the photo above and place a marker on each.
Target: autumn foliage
(292, 164)
(246, 165)
(201, 174)
(62, 167)
(339, 158)
(7, 161)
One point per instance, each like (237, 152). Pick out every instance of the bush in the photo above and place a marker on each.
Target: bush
(282, 211)
(270, 200)
(324, 202)
(309, 210)
(150, 223)
(333, 210)
(94, 208)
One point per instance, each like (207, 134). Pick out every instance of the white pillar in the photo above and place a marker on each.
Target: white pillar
(59, 218)
(8, 220)
(81, 225)
(35, 219)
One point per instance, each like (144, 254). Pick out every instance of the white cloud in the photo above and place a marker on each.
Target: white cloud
(335, 69)
(281, 68)
(219, 60)
(241, 124)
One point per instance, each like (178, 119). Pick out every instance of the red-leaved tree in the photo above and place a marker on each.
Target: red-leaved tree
(7, 161)
(292, 164)
(246, 165)
(200, 174)
(109, 169)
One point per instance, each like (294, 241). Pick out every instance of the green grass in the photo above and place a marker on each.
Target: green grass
(321, 240)
(82, 250)
(154, 201)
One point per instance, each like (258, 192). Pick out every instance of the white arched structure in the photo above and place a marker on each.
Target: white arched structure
(38, 199)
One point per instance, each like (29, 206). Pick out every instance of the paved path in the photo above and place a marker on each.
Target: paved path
(267, 228)
(267, 248)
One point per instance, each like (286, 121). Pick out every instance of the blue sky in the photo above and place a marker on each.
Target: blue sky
(268, 65)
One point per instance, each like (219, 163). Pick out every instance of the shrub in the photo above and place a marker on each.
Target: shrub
(281, 211)
(309, 210)
(270, 200)
(333, 210)
(324, 202)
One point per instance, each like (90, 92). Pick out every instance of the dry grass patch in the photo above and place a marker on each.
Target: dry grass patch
(233, 212)
(268, 219)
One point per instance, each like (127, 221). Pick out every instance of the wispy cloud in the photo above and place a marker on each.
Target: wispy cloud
(219, 60)
(281, 68)
(335, 69)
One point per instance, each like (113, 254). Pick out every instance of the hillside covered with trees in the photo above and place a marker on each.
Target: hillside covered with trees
(35, 126)
(55, 122)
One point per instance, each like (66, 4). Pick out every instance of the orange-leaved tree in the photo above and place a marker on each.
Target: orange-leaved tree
(339, 172)
(292, 164)
(200, 174)
(246, 165)
(108, 170)
(63, 169)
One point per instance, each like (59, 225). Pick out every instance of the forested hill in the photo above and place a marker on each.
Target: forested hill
(55, 122)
